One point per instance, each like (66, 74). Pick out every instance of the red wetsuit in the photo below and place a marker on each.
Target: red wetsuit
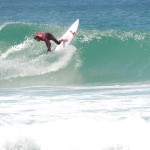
(46, 37)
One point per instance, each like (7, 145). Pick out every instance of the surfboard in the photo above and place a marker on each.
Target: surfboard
(69, 35)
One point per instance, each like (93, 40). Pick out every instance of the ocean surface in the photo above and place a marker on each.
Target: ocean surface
(95, 95)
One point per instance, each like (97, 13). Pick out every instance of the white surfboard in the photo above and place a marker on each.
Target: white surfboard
(69, 35)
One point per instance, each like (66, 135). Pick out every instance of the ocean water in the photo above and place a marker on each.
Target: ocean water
(95, 95)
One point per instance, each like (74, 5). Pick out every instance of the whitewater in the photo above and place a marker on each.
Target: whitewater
(99, 117)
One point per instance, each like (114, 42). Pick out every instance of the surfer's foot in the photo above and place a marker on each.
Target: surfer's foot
(64, 40)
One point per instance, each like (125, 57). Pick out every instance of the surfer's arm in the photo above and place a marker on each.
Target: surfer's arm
(48, 44)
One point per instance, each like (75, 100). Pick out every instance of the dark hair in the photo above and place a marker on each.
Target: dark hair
(36, 37)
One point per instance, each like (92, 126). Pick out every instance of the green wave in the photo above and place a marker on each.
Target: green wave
(95, 56)
(115, 56)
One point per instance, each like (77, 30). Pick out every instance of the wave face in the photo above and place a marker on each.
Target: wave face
(95, 56)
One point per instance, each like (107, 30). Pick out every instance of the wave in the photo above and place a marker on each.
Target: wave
(95, 56)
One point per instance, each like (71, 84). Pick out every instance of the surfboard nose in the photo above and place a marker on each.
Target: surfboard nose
(69, 35)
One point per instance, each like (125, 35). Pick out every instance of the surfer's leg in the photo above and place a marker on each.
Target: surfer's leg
(51, 37)
(55, 40)
(58, 42)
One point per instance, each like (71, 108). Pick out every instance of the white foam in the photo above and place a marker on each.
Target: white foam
(64, 59)
(84, 118)
(41, 65)
(2, 26)
(17, 47)
(78, 134)
(121, 35)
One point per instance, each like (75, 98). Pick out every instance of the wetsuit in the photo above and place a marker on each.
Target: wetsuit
(46, 37)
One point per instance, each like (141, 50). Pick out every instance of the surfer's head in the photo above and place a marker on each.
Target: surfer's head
(37, 38)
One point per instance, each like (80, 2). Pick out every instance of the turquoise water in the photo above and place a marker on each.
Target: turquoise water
(92, 96)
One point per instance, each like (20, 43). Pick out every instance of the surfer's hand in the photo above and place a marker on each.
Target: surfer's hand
(47, 52)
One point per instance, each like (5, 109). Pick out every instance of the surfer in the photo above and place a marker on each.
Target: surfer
(46, 37)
